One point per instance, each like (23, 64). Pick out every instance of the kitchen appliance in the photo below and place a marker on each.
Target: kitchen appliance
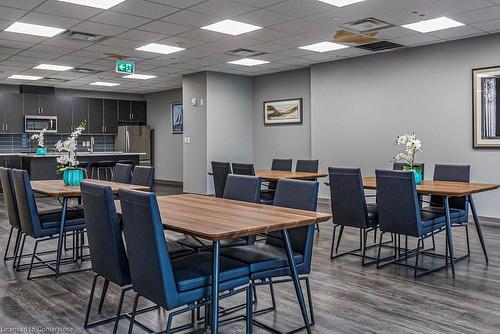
(37, 123)
(135, 139)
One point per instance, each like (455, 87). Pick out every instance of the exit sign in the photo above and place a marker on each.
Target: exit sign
(125, 67)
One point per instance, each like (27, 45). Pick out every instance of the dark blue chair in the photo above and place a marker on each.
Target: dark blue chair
(310, 166)
(122, 173)
(12, 213)
(349, 208)
(399, 213)
(243, 169)
(269, 260)
(220, 171)
(143, 176)
(281, 165)
(172, 283)
(41, 227)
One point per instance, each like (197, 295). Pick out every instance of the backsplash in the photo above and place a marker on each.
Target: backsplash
(21, 143)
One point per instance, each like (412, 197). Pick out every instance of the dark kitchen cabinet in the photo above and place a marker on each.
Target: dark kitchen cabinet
(139, 112)
(39, 104)
(48, 105)
(124, 111)
(80, 112)
(11, 113)
(132, 112)
(110, 116)
(64, 112)
(95, 119)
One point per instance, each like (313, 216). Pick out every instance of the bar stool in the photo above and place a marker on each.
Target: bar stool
(104, 165)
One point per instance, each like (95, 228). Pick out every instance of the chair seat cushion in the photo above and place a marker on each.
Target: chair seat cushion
(457, 216)
(177, 250)
(195, 270)
(261, 257)
(431, 221)
(372, 214)
(52, 219)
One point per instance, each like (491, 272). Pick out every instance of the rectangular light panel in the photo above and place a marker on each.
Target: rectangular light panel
(231, 27)
(33, 29)
(102, 4)
(439, 23)
(160, 48)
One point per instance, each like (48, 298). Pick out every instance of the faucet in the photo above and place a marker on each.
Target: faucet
(92, 142)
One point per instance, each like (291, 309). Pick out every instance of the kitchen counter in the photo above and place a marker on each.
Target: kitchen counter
(79, 154)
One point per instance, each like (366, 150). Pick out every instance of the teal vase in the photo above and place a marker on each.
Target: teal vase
(41, 151)
(417, 173)
(73, 177)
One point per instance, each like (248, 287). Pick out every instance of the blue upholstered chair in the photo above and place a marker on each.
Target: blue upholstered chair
(281, 165)
(143, 176)
(310, 166)
(349, 208)
(122, 173)
(12, 213)
(243, 169)
(269, 260)
(171, 283)
(41, 227)
(220, 171)
(399, 212)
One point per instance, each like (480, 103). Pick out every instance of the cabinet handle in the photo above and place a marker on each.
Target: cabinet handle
(6, 127)
(105, 128)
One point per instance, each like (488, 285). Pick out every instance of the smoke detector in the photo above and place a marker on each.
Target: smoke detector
(369, 24)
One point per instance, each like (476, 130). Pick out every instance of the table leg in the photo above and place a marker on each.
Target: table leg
(478, 227)
(449, 235)
(295, 278)
(61, 235)
(214, 315)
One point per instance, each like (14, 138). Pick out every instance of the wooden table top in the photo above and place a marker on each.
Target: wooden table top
(440, 188)
(276, 175)
(57, 188)
(214, 218)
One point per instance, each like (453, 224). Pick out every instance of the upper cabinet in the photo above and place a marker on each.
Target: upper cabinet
(64, 112)
(80, 113)
(95, 123)
(34, 104)
(132, 112)
(139, 112)
(11, 113)
(110, 116)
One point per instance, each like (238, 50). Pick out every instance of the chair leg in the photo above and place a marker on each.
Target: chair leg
(32, 259)
(249, 318)
(16, 247)
(340, 237)
(375, 235)
(21, 252)
(134, 311)
(364, 237)
(309, 299)
(333, 240)
(467, 239)
(103, 295)
(416, 259)
(379, 249)
(89, 304)
(119, 311)
(316, 227)
(8, 244)
(273, 297)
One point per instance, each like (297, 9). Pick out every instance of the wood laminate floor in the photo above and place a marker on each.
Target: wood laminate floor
(347, 298)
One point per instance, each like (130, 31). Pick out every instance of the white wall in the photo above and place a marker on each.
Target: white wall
(167, 146)
(283, 141)
(360, 105)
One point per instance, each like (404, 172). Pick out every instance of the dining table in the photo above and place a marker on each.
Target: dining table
(57, 189)
(447, 190)
(215, 219)
(276, 175)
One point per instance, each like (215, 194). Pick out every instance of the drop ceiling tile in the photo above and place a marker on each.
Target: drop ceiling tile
(181, 42)
(203, 35)
(299, 8)
(265, 35)
(395, 32)
(190, 18)
(11, 14)
(295, 41)
(99, 29)
(457, 32)
(22, 4)
(66, 9)
(478, 15)
(120, 19)
(258, 3)
(297, 26)
(144, 8)
(73, 60)
(50, 50)
(66, 43)
(121, 43)
(269, 47)
(294, 52)
(490, 26)
(263, 18)
(21, 37)
(178, 3)
(50, 20)
(38, 55)
(295, 61)
(8, 44)
(143, 36)
(166, 28)
(222, 8)
(415, 40)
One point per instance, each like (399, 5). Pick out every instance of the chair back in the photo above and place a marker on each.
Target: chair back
(26, 204)
(220, 171)
(243, 169)
(397, 201)
(310, 166)
(303, 195)
(282, 164)
(143, 176)
(400, 165)
(122, 173)
(453, 173)
(9, 197)
(107, 251)
(243, 188)
(347, 197)
(149, 261)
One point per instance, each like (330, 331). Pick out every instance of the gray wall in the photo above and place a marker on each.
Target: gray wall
(284, 141)
(360, 105)
(167, 146)
(195, 128)
(229, 120)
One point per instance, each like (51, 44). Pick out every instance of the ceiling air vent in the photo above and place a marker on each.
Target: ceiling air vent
(245, 53)
(85, 70)
(366, 25)
(379, 46)
(83, 36)
(55, 80)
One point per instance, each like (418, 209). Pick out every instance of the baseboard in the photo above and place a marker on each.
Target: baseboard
(168, 182)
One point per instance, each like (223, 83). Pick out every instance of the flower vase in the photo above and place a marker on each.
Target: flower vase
(41, 151)
(73, 177)
(417, 173)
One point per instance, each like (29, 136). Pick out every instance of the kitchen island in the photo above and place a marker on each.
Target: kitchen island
(44, 167)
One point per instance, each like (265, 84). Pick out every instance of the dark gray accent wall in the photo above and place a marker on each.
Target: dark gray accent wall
(21, 143)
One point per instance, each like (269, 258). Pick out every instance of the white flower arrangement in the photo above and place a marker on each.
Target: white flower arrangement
(412, 145)
(40, 137)
(67, 149)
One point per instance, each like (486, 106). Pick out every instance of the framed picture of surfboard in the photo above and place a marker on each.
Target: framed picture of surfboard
(283, 112)
(177, 118)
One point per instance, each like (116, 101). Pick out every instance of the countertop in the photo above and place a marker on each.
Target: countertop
(80, 154)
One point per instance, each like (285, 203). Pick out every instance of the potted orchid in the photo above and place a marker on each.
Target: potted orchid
(412, 146)
(67, 159)
(41, 149)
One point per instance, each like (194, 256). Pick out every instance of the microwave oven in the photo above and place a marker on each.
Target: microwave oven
(37, 123)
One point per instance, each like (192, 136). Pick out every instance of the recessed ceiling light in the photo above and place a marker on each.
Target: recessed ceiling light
(106, 84)
(341, 3)
(33, 29)
(248, 62)
(24, 77)
(102, 4)
(439, 23)
(140, 76)
(231, 27)
(160, 48)
(49, 67)
(323, 47)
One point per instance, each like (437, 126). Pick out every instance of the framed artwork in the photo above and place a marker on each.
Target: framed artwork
(177, 118)
(283, 112)
(486, 107)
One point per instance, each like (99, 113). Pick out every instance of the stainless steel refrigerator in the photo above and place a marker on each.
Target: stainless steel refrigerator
(135, 139)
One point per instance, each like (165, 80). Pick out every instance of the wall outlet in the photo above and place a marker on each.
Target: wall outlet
(202, 102)
(194, 102)
(187, 140)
